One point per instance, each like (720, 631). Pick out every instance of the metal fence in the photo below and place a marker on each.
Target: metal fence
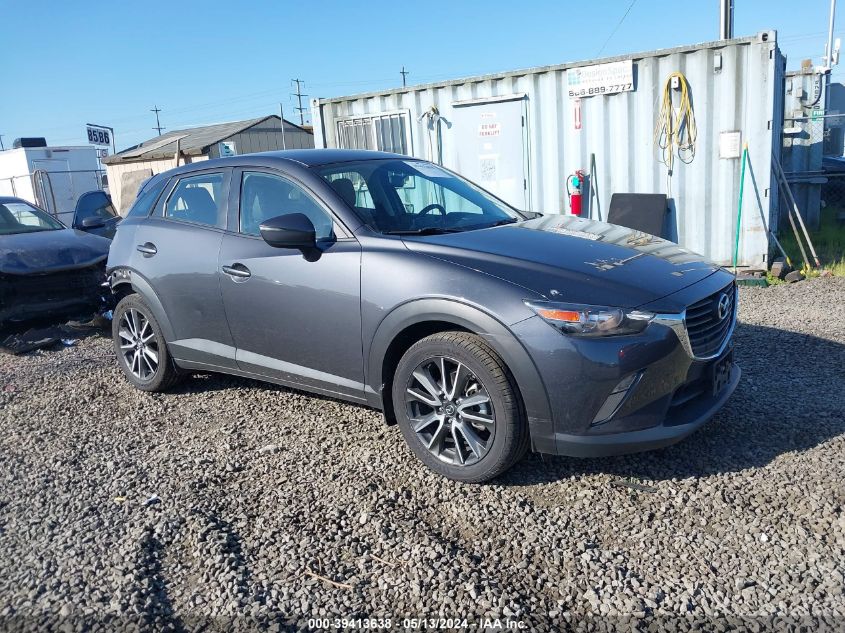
(813, 158)
(54, 191)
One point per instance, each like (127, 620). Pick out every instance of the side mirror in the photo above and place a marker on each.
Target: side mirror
(93, 223)
(292, 230)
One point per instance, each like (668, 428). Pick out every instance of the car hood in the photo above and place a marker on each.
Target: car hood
(567, 258)
(49, 251)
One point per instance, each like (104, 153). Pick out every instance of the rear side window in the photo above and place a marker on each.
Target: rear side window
(196, 199)
(145, 202)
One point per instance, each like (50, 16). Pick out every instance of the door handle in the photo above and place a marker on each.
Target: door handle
(237, 270)
(147, 248)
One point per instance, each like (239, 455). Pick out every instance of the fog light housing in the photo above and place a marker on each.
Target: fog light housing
(621, 392)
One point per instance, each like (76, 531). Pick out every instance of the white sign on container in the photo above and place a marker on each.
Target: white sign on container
(600, 79)
(730, 144)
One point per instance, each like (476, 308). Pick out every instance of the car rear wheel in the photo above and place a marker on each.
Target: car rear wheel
(458, 407)
(140, 347)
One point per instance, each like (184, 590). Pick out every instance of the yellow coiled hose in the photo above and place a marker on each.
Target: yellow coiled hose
(675, 131)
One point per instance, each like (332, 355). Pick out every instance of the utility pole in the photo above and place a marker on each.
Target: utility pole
(158, 126)
(299, 94)
(284, 131)
(1, 143)
(828, 53)
(403, 72)
(726, 19)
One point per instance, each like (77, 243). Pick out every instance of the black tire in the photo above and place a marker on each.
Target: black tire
(166, 374)
(506, 443)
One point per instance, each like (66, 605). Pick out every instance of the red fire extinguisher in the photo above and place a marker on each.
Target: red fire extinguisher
(573, 189)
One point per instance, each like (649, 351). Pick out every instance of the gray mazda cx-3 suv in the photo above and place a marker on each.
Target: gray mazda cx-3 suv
(390, 281)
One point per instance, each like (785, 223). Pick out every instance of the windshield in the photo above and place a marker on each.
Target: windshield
(408, 196)
(21, 217)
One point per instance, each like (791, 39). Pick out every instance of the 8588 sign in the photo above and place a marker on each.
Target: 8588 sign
(98, 136)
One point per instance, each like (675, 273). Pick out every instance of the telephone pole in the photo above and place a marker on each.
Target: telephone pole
(299, 94)
(1, 143)
(403, 72)
(828, 51)
(726, 19)
(158, 126)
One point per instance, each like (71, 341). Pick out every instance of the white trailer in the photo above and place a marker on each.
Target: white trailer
(50, 177)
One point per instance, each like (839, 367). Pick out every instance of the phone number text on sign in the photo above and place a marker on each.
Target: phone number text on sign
(600, 79)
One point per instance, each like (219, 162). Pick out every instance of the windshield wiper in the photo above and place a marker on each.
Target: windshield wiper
(428, 230)
(501, 222)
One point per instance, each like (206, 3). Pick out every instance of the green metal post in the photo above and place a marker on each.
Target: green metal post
(739, 211)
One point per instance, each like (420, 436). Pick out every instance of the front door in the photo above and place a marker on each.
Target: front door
(294, 317)
(176, 250)
(490, 141)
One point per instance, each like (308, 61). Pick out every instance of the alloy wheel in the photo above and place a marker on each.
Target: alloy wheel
(450, 411)
(138, 344)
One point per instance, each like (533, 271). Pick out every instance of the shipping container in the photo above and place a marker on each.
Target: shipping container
(522, 133)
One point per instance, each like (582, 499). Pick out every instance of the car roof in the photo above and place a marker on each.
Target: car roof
(311, 157)
(301, 157)
(4, 199)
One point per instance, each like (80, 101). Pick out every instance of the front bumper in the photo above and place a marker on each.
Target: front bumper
(671, 397)
(59, 294)
(673, 429)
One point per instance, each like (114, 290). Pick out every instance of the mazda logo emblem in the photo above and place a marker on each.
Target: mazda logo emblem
(724, 305)
(450, 409)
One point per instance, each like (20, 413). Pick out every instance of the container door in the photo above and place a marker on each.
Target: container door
(490, 148)
(58, 187)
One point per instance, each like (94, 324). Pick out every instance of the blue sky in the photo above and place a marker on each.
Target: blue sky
(64, 64)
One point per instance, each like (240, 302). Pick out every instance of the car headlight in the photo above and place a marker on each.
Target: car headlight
(587, 320)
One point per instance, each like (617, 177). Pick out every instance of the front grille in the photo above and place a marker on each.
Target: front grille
(706, 331)
(61, 286)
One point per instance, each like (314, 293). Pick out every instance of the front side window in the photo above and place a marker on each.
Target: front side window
(196, 199)
(20, 217)
(265, 196)
(410, 196)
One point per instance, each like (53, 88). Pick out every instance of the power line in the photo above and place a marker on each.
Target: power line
(616, 28)
(158, 126)
(299, 94)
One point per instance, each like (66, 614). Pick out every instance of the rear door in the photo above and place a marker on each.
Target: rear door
(294, 316)
(176, 249)
(492, 137)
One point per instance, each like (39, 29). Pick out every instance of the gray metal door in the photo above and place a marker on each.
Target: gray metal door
(490, 147)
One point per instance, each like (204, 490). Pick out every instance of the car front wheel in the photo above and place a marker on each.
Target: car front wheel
(140, 347)
(458, 407)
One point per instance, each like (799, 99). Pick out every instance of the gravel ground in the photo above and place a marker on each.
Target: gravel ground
(215, 506)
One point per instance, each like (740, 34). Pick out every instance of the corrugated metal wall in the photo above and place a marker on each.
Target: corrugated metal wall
(803, 141)
(745, 94)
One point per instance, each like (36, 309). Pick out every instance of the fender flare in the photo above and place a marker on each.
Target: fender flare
(471, 318)
(126, 276)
